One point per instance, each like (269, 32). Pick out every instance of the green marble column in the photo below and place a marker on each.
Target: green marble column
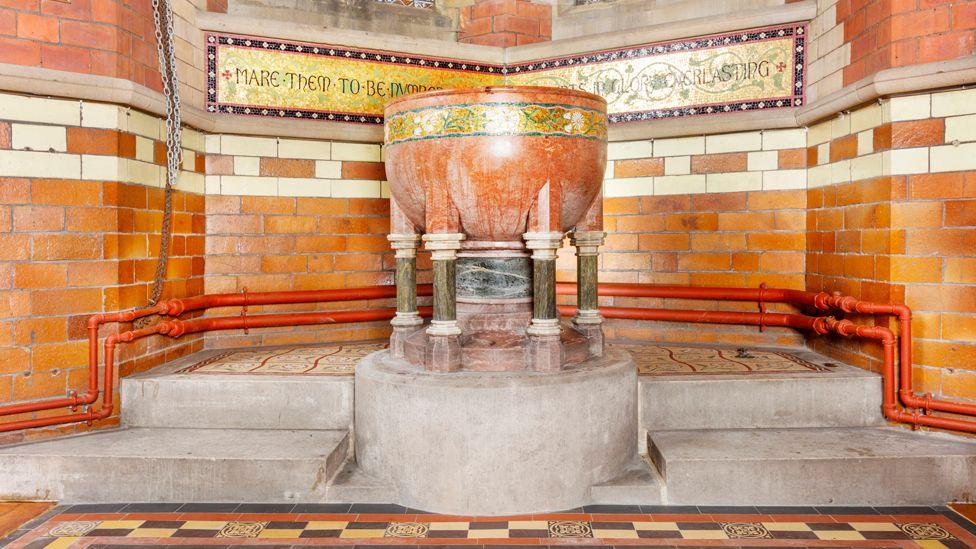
(587, 245)
(445, 289)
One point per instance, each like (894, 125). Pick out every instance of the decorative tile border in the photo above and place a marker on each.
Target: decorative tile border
(756, 69)
(375, 524)
(528, 119)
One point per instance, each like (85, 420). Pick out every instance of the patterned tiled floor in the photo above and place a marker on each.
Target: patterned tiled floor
(287, 525)
(651, 360)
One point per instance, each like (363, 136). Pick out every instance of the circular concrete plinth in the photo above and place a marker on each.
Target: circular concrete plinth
(480, 443)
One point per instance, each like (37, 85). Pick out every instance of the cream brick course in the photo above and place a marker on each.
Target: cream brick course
(733, 182)
(774, 140)
(240, 145)
(304, 148)
(39, 138)
(951, 158)
(818, 176)
(960, 128)
(212, 144)
(145, 173)
(144, 149)
(679, 146)
(733, 142)
(362, 152)
(247, 165)
(840, 172)
(954, 103)
(764, 160)
(355, 188)
(677, 165)
(608, 171)
(191, 182)
(867, 166)
(384, 189)
(910, 107)
(629, 149)
(818, 133)
(680, 184)
(101, 115)
(784, 179)
(40, 164)
(865, 142)
(291, 186)
(249, 186)
(840, 126)
(40, 110)
(823, 153)
(329, 169)
(212, 184)
(631, 186)
(143, 124)
(104, 168)
(193, 140)
(908, 161)
(867, 117)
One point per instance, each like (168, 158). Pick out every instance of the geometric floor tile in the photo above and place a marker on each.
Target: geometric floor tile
(287, 525)
(651, 359)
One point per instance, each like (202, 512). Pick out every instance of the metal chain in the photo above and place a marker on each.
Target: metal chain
(163, 20)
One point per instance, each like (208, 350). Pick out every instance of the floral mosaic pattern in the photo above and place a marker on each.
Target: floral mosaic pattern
(670, 360)
(534, 119)
(334, 360)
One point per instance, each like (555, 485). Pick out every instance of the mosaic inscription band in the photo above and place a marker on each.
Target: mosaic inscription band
(754, 69)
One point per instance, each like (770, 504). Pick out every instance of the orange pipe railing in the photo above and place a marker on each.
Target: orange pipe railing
(821, 302)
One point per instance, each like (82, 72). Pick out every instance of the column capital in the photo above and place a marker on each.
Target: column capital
(543, 245)
(443, 245)
(587, 242)
(405, 244)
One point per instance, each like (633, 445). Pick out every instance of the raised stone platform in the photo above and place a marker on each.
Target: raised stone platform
(814, 466)
(495, 442)
(162, 465)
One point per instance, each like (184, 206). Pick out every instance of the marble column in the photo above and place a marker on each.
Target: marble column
(544, 348)
(588, 320)
(443, 351)
(407, 320)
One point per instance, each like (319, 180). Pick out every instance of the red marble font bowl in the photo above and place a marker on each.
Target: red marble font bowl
(481, 156)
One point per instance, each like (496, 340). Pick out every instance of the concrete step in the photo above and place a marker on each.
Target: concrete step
(837, 396)
(162, 397)
(170, 465)
(352, 485)
(814, 466)
(641, 484)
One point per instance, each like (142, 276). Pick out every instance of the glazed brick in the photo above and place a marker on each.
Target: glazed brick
(960, 213)
(287, 167)
(642, 167)
(917, 133)
(364, 170)
(719, 163)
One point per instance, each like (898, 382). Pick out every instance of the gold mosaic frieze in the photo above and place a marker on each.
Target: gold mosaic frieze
(529, 119)
(749, 70)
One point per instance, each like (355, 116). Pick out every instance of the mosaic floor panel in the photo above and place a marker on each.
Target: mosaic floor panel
(340, 360)
(287, 525)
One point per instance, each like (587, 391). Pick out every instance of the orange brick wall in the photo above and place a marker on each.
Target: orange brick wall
(897, 33)
(905, 236)
(305, 243)
(725, 239)
(101, 37)
(505, 23)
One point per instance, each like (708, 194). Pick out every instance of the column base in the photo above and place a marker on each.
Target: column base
(593, 332)
(544, 353)
(442, 353)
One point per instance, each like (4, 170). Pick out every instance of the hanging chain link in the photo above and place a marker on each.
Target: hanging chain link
(166, 50)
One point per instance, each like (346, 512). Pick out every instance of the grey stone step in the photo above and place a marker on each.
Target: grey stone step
(352, 485)
(840, 396)
(640, 484)
(170, 465)
(814, 466)
(164, 398)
